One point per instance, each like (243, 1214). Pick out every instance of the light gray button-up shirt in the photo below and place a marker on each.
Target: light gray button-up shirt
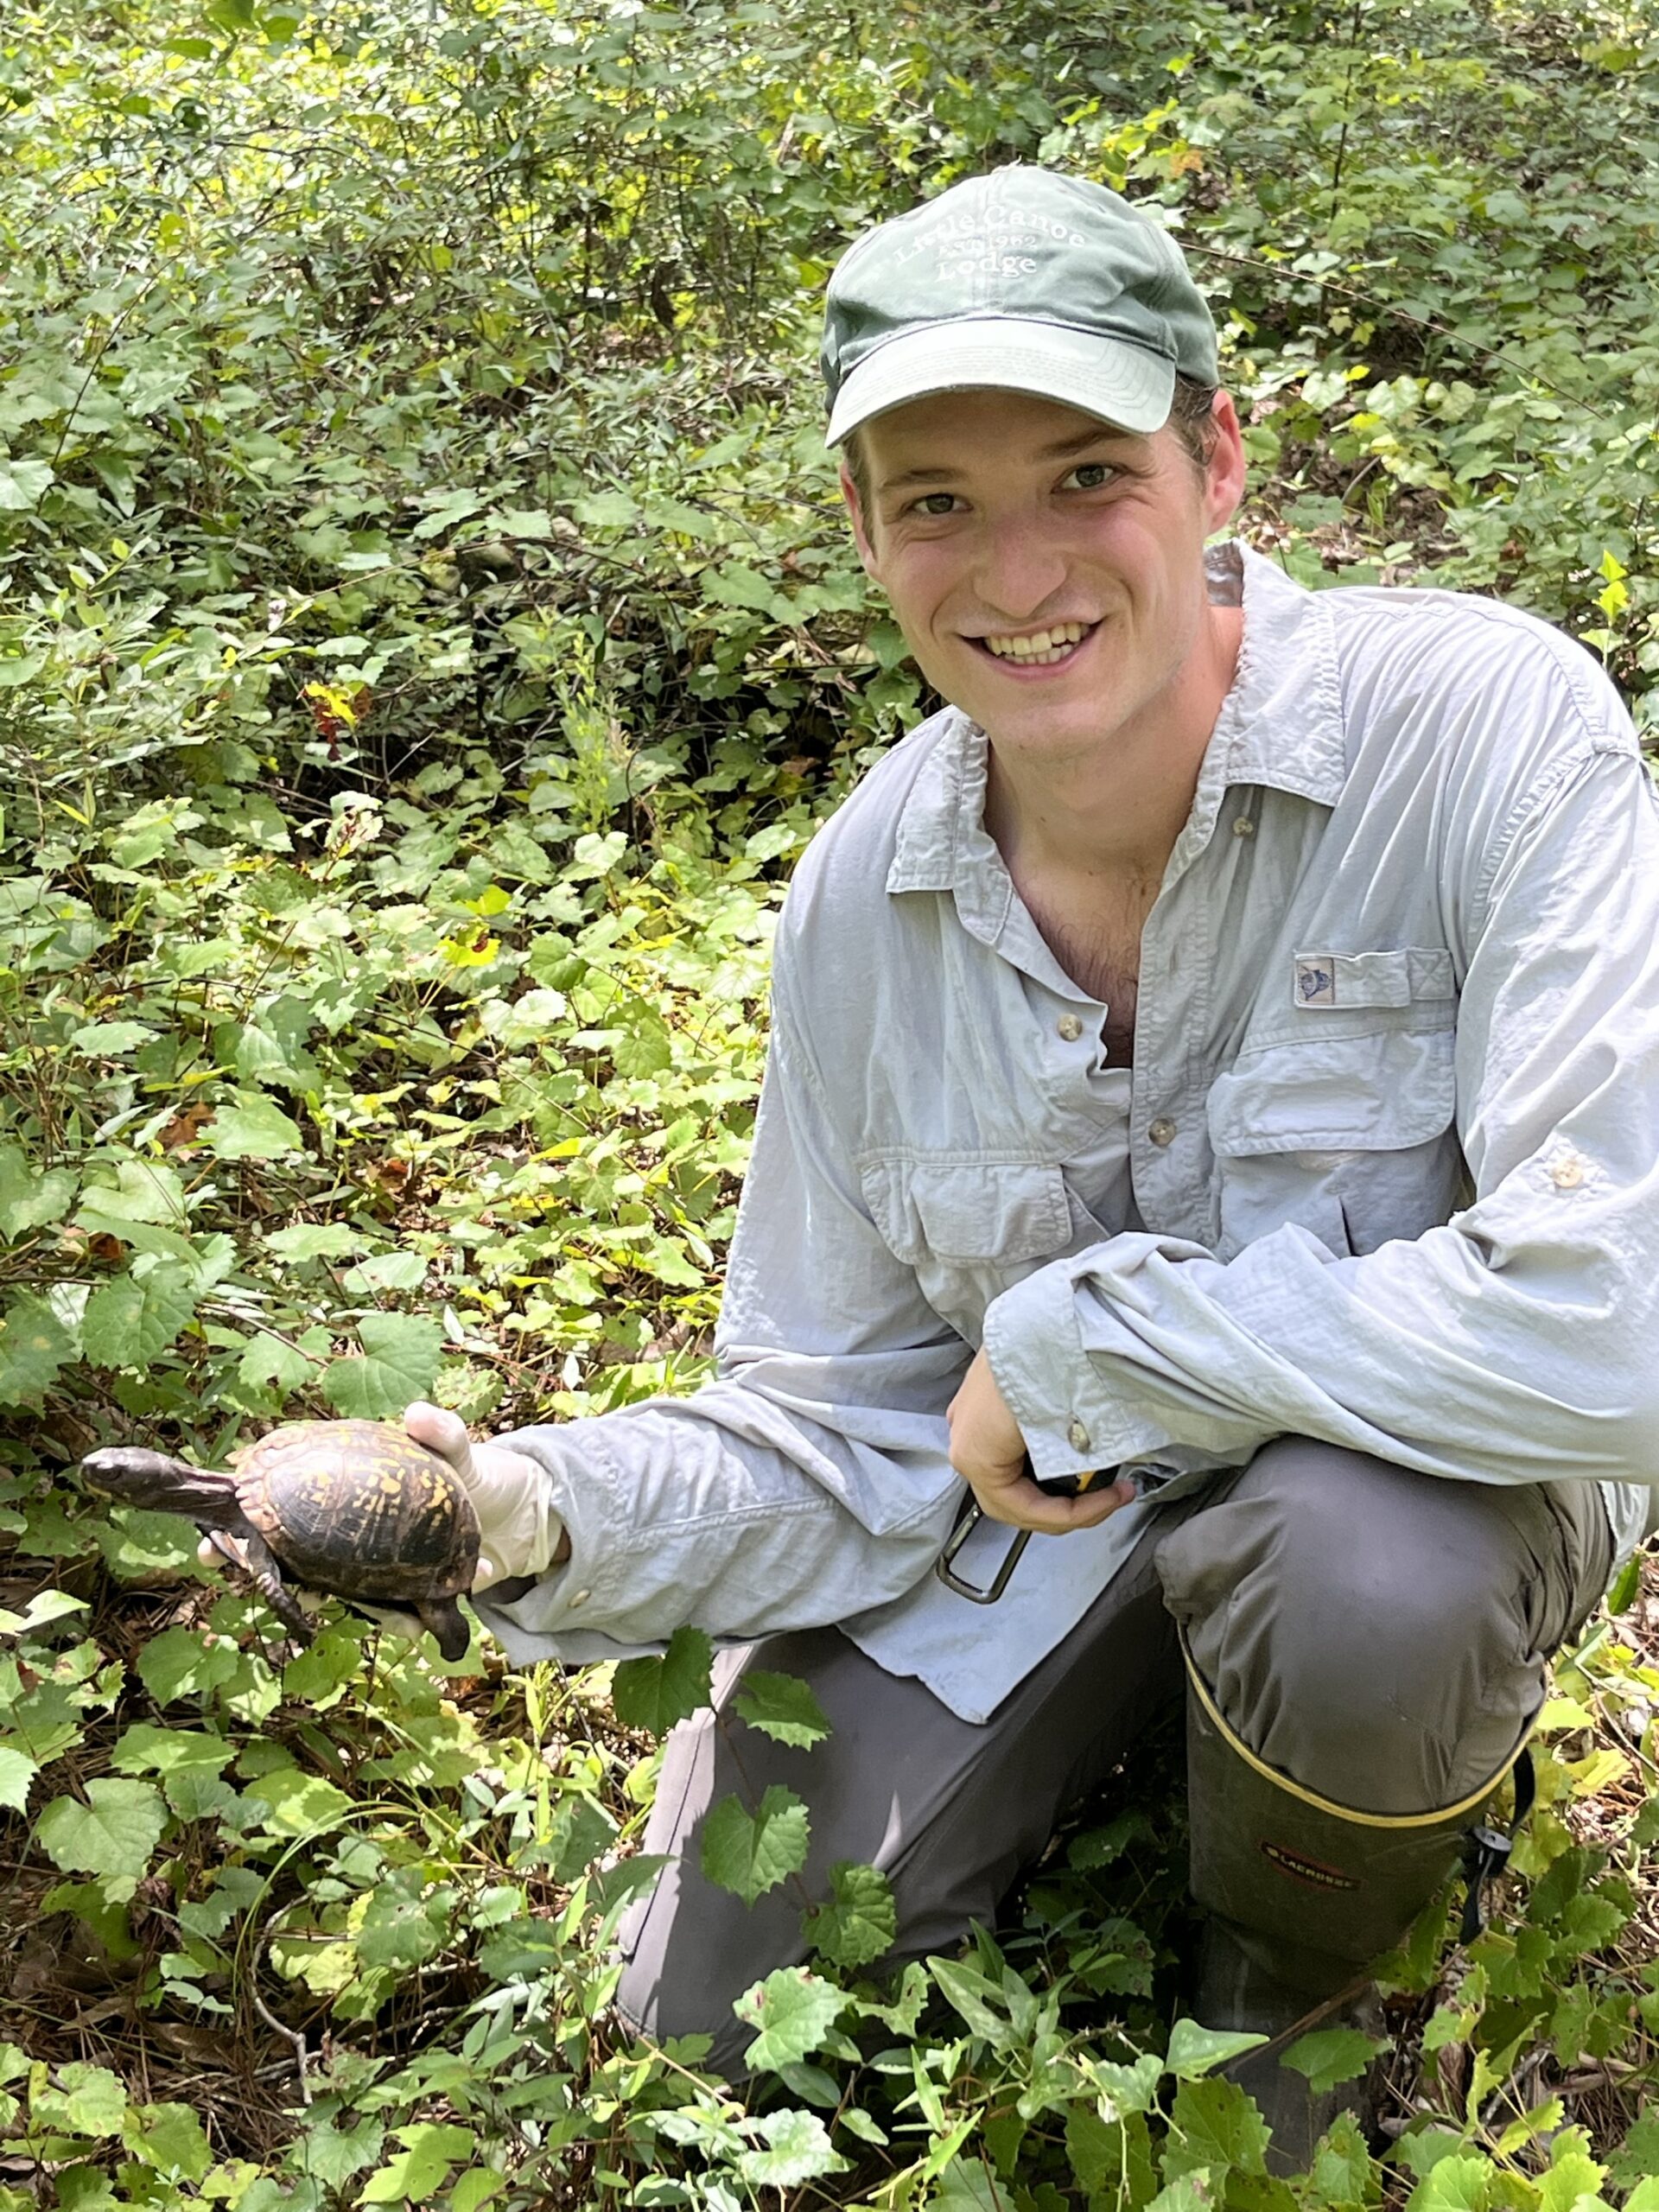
(1385, 1171)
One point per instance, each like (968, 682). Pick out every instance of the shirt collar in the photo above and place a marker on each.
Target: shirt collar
(1280, 724)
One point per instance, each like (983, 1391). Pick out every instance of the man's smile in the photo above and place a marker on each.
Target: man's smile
(1060, 643)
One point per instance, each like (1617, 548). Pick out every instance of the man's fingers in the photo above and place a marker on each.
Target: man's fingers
(1023, 1505)
(441, 1432)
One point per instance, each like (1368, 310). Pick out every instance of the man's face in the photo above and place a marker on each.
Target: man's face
(1046, 568)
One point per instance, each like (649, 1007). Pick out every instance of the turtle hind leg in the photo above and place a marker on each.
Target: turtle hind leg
(444, 1617)
(268, 1578)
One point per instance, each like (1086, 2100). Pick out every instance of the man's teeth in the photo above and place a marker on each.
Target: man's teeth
(1040, 645)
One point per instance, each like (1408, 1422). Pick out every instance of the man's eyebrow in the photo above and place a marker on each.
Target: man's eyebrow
(1096, 434)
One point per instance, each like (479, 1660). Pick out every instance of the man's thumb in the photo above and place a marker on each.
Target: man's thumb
(442, 1432)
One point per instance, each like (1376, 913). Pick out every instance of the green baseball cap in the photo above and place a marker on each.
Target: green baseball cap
(1022, 280)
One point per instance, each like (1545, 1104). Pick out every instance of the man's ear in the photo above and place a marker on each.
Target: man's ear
(856, 516)
(1225, 471)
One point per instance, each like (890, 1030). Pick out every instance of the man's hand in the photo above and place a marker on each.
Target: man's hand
(518, 1533)
(989, 1453)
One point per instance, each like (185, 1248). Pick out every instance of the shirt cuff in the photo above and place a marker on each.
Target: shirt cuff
(1071, 1422)
(582, 1490)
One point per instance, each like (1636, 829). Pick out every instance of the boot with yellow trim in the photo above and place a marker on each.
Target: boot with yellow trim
(1302, 1896)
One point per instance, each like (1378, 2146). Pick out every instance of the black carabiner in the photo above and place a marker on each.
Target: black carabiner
(973, 1513)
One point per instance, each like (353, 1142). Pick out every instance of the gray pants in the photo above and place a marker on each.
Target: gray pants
(1376, 1635)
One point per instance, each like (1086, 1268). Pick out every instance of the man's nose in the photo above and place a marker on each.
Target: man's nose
(1018, 570)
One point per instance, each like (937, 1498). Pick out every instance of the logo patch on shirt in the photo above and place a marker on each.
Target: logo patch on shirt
(1316, 979)
(1311, 1871)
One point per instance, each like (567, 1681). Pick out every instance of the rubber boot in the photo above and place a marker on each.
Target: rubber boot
(1303, 1895)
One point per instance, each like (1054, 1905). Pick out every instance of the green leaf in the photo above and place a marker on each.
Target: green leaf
(402, 1927)
(399, 1362)
(1342, 2165)
(314, 1240)
(861, 1921)
(1190, 2192)
(332, 2155)
(784, 1707)
(85, 2100)
(653, 1694)
(1105, 2155)
(33, 1346)
(182, 1663)
(1333, 2054)
(1130, 2088)
(794, 2011)
(1456, 2185)
(252, 1126)
(799, 2149)
(146, 1749)
(17, 1771)
(111, 1836)
(268, 1359)
(109, 1039)
(168, 2137)
(21, 483)
(130, 1321)
(31, 1195)
(1195, 2051)
(297, 1803)
(1214, 2126)
(749, 1854)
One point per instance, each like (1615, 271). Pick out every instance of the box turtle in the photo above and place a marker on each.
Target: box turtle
(355, 1509)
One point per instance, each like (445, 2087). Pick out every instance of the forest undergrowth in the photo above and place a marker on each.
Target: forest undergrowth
(428, 637)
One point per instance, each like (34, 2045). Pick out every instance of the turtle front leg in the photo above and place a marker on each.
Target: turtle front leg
(265, 1568)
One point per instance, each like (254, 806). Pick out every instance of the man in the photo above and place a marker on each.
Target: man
(1219, 1054)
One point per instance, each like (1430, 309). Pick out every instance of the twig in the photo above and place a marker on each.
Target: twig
(288, 2035)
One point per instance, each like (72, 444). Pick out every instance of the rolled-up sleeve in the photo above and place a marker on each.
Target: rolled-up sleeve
(1512, 1344)
(810, 1480)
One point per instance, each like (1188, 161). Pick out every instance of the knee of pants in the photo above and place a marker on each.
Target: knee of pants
(1363, 1629)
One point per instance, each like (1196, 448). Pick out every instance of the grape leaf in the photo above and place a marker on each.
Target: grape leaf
(111, 1837)
(268, 1359)
(750, 1854)
(794, 2011)
(1195, 2051)
(17, 1770)
(179, 1661)
(131, 1321)
(398, 1361)
(783, 1707)
(1214, 2126)
(797, 2149)
(170, 2139)
(252, 1126)
(33, 1345)
(30, 1195)
(860, 1923)
(653, 1694)
(1333, 2054)
(313, 1239)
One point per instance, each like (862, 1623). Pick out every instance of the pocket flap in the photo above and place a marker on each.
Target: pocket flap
(1373, 1093)
(1321, 980)
(968, 1210)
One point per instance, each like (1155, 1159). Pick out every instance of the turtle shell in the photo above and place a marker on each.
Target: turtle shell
(359, 1509)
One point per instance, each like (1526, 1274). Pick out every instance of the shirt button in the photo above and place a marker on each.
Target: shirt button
(1242, 826)
(1077, 1435)
(1162, 1132)
(1069, 1027)
(1568, 1172)
(580, 1597)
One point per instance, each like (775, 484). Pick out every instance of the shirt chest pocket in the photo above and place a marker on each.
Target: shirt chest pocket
(1349, 1135)
(968, 1226)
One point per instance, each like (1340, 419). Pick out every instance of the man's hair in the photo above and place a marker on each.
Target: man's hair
(1190, 417)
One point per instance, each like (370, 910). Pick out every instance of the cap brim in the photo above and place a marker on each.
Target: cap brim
(1124, 384)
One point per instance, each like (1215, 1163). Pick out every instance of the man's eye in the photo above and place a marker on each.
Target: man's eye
(1091, 476)
(935, 503)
